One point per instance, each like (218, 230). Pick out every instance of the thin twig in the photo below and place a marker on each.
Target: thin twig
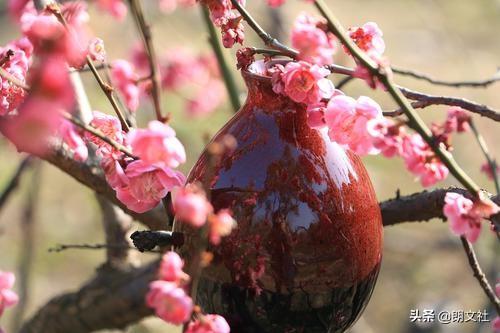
(62, 247)
(145, 30)
(94, 131)
(484, 148)
(104, 66)
(228, 77)
(105, 87)
(12, 79)
(457, 84)
(479, 275)
(27, 248)
(8, 54)
(14, 181)
(264, 36)
(425, 100)
(344, 81)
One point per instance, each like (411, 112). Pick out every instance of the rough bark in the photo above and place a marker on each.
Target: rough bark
(419, 207)
(113, 299)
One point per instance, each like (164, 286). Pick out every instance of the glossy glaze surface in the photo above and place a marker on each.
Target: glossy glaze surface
(307, 250)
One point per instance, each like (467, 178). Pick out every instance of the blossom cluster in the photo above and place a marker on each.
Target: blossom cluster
(39, 62)
(167, 295)
(182, 73)
(224, 16)
(312, 39)
(359, 124)
(141, 182)
(8, 298)
(464, 215)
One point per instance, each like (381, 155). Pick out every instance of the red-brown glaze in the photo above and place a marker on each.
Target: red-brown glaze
(308, 219)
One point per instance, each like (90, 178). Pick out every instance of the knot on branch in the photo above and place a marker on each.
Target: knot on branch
(147, 240)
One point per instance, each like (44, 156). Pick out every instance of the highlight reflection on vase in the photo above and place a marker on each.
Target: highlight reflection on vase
(307, 249)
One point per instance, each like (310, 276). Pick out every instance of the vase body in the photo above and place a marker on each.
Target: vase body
(307, 248)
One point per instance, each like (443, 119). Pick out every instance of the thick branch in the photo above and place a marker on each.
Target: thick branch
(422, 206)
(112, 299)
(116, 226)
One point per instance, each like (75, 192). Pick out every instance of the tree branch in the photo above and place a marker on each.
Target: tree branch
(145, 30)
(116, 226)
(384, 76)
(425, 100)
(27, 247)
(457, 84)
(478, 273)
(421, 206)
(14, 181)
(263, 35)
(112, 299)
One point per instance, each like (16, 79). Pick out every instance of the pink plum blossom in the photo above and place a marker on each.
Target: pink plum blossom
(170, 302)
(73, 140)
(495, 324)
(8, 298)
(116, 8)
(139, 58)
(171, 268)
(183, 71)
(369, 39)
(233, 32)
(487, 170)
(39, 115)
(347, 120)
(457, 120)
(51, 38)
(191, 205)
(204, 104)
(221, 224)
(31, 129)
(157, 145)
(314, 43)
(125, 79)
(96, 50)
(302, 82)
(114, 172)
(17, 59)
(111, 127)
(275, 3)
(221, 11)
(387, 136)
(147, 185)
(421, 161)
(180, 66)
(18, 7)
(465, 216)
(210, 323)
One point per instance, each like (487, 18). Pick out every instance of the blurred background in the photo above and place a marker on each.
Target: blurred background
(424, 266)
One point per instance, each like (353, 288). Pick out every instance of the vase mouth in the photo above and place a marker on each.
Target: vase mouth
(257, 70)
